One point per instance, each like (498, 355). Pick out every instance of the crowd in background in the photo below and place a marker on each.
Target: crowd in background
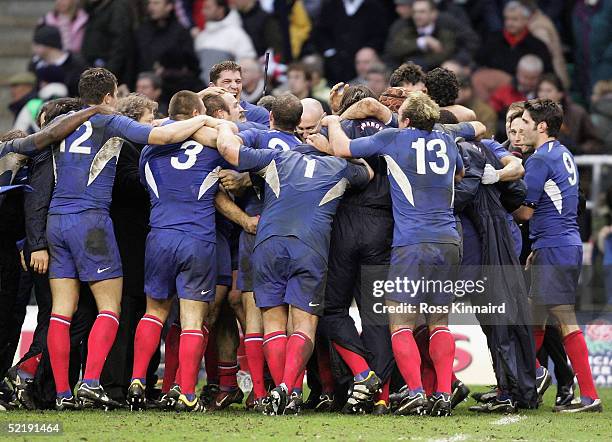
(502, 51)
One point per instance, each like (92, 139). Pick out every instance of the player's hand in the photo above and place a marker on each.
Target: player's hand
(159, 122)
(490, 175)
(529, 260)
(250, 224)
(213, 90)
(336, 94)
(320, 143)
(232, 180)
(330, 119)
(40, 261)
(22, 259)
(434, 44)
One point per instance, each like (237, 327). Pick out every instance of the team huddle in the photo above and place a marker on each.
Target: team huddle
(287, 205)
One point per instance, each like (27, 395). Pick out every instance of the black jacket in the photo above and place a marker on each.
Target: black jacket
(109, 38)
(72, 69)
(497, 53)
(264, 30)
(154, 38)
(36, 203)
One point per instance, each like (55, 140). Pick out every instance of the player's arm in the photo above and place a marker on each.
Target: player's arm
(461, 112)
(231, 211)
(471, 130)
(535, 176)
(235, 182)
(364, 163)
(206, 136)
(358, 173)
(513, 167)
(338, 140)
(175, 132)
(368, 108)
(228, 144)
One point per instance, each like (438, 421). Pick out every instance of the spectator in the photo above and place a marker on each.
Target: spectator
(47, 49)
(484, 113)
(70, 19)
(409, 76)
(377, 79)
(50, 86)
(418, 37)
(364, 59)
(299, 81)
(320, 88)
(150, 85)
(577, 132)
(178, 72)
(252, 80)
(601, 111)
(109, 38)
(223, 37)
(345, 27)
(523, 86)
(592, 37)
(502, 51)
(160, 33)
(263, 28)
(542, 27)
(21, 87)
(459, 67)
(454, 18)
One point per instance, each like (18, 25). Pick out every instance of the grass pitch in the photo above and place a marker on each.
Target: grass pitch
(237, 425)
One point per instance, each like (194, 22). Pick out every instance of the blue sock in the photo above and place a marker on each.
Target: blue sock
(585, 400)
(361, 376)
(23, 375)
(65, 394)
(142, 380)
(190, 397)
(416, 391)
(503, 396)
(93, 383)
(438, 394)
(539, 371)
(297, 390)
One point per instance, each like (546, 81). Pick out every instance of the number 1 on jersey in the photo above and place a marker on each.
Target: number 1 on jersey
(310, 166)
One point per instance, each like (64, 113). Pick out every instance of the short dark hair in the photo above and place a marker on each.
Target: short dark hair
(407, 73)
(152, 76)
(287, 112)
(228, 65)
(266, 102)
(546, 111)
(297, 66)
(442, 86)
(214, 103)
(552, 79)
(184, 103)
(12, 135)
(447, 117)
(95, 83)
(354, 94)
(60, 106)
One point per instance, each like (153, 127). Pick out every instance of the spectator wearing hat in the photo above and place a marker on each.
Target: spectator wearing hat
(22, 88)
(47, 49)
(70, 19)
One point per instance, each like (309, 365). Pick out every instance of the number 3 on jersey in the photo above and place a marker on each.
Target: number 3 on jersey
(192, 149)
(77, 145)
(436, 145)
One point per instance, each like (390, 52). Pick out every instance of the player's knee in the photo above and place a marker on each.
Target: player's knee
(234, 298)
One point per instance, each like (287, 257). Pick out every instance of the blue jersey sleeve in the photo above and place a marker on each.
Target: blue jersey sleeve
(249, 138)
(24, 146)
(496, 148)
(372, 145)
(459, 162)
(536, 174)
(394, 121)
(255, 159)
(131, 130)
(357, 175)
(460, 130)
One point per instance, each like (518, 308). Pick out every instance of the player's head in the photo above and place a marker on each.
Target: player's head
(286, 113)
(184, 105)
(215, 10)
(543, 119)
(228, 75)
(424, 13)
(353, 95)
(98, 86)
(409, 76)
(224, 107)
(516, 131)
(310, 122)
(516, 17)
(266, 102)
(419, 111)
(442, 86)
(138, 107)
(159, 9)
(54, 108)
(447, 117)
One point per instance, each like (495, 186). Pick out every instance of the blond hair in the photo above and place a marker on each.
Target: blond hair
(421, 110)
(135, 105)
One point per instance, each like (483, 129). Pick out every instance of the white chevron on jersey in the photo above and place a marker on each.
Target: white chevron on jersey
(400, 177)
(552, 190)
(270, 174)
(13, 162)
(335, 192)
(109, 150)
(209, 181)
(151, 179)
